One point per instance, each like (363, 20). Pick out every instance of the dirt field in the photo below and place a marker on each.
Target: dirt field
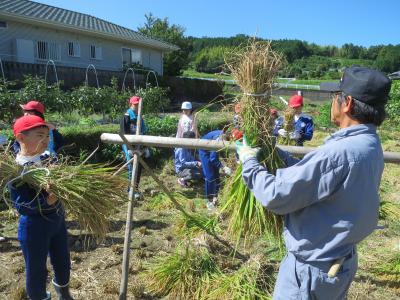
(96, 269)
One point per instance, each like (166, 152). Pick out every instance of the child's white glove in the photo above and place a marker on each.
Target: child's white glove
(146, 153)
(227, 170)
(282, 132)
(295, 135)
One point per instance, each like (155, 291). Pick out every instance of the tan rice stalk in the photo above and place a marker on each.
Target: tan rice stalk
(254, 70)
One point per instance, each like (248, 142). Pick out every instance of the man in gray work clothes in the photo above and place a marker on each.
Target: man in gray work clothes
(330, 198)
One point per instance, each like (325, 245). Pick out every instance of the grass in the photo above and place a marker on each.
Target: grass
(195, 74)
(186, 274)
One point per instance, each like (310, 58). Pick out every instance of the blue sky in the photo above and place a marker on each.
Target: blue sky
(361, 22)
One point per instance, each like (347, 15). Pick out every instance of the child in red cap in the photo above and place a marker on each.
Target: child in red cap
(56, 140)
(128, 126)
(303, 124)
(41, 229)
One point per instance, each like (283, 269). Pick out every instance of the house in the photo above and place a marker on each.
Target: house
(32, 32)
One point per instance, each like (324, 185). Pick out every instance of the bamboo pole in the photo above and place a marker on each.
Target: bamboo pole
(128, 226)
(169, 142)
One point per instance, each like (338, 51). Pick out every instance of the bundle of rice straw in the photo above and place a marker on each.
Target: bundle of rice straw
(89, 193)
(288, 126)
(254, 70)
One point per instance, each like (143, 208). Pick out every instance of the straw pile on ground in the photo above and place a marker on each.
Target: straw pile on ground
(254, 70)
(89, 193)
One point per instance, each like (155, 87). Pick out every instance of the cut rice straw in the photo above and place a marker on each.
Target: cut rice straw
(89, 193)
(254, 69)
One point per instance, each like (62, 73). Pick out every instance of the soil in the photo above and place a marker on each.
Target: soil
(96, 268)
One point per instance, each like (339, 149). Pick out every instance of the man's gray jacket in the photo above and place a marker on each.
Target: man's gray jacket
(330, 198)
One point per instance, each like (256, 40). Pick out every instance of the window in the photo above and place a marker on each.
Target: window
(48, 50)
(95, 52)
(3, 24)
(136, 56)
(126, 57)
(74, 49)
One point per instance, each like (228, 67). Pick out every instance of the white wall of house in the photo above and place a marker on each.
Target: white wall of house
(17, 38)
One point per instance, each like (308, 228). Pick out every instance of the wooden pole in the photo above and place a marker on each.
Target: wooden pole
(128, 226)
(169, 142)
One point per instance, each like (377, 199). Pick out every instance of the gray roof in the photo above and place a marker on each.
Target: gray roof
(55, 15)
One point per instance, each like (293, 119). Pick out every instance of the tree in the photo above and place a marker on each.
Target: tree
(388, 59)
(158, 28)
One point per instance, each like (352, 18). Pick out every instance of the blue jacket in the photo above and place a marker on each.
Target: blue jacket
(29, 201)
(330, 198)
(211, 156)
(184, 159)
(304, 126)
(128, 123)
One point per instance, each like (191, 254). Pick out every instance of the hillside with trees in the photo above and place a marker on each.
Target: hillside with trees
(304, 60)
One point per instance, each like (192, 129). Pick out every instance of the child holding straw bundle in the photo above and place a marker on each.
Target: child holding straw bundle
(302, 126)
(41, 229)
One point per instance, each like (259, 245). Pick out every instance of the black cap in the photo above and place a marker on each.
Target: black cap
(366, 85)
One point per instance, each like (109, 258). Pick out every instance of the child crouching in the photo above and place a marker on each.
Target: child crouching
(41, 229)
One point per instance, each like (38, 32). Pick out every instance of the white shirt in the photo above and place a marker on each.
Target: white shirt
(186, 123)
(22, 159)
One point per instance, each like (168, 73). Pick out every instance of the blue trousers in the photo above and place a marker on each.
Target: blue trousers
(299, 280)
(39, 237)
(139, 166)
(211, 178)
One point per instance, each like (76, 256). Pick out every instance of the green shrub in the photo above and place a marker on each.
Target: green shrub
(393, 106)
(322, 117)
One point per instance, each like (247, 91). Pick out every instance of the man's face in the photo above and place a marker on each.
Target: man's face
(336, 110)
(35, 140)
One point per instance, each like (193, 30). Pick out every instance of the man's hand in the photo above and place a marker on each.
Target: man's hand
(245, 151)
(198, 164)
(282, 132)
(227, 170)
(130, 152)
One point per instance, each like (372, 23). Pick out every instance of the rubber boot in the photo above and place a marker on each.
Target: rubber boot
(62, 291)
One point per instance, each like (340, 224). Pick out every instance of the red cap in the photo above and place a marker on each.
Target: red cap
(273, 111)
(296, 101)
(236, 134)
(134, 100)
(34, 105)
(28, 122)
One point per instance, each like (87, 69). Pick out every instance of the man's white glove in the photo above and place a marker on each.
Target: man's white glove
(227, 170)
(130, 152)
(244, 151)
(282, 132)
(295, 135)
